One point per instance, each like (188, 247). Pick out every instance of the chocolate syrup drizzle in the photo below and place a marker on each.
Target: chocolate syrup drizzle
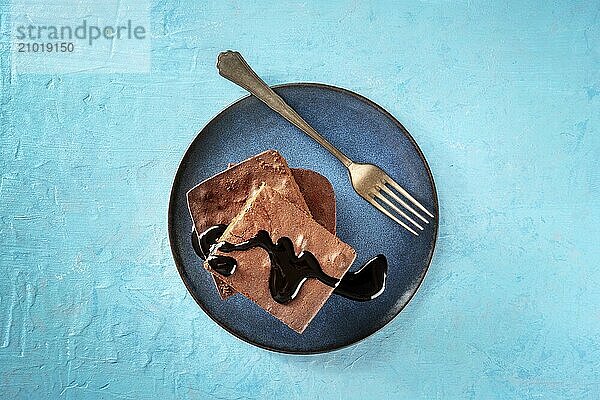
(288, 270)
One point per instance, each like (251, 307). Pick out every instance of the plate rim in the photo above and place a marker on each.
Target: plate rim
(179, 262)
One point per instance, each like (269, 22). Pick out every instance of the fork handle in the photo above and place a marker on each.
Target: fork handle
(231, 65)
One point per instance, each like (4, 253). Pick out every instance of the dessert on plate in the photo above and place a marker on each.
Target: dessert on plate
(320, 199)
(298, 300)
(267, 231)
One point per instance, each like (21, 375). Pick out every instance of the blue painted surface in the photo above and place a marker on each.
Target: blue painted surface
(504, 100)
(364, 132)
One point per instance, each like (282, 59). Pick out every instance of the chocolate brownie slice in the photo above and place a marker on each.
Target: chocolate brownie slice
(220, 198)
(268, 210)
(320, 198)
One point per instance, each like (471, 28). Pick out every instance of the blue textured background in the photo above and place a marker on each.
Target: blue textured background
(504, 100)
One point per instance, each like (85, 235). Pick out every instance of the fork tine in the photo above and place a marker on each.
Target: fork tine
(403, 192)
(380, 196)
(403, 203)
(389, 214)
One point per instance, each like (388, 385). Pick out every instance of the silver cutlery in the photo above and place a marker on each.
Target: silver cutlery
(368, 180)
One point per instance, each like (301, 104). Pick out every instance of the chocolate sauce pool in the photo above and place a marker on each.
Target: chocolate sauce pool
(288, 270)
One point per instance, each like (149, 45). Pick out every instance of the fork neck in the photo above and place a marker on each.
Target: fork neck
(344, 159)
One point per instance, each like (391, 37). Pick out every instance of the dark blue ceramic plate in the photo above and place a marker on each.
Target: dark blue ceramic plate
(366, 133)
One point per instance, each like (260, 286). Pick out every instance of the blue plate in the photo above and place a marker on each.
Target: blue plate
(366, 133)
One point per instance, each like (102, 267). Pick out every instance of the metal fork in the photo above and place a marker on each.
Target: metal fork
(368, 180)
